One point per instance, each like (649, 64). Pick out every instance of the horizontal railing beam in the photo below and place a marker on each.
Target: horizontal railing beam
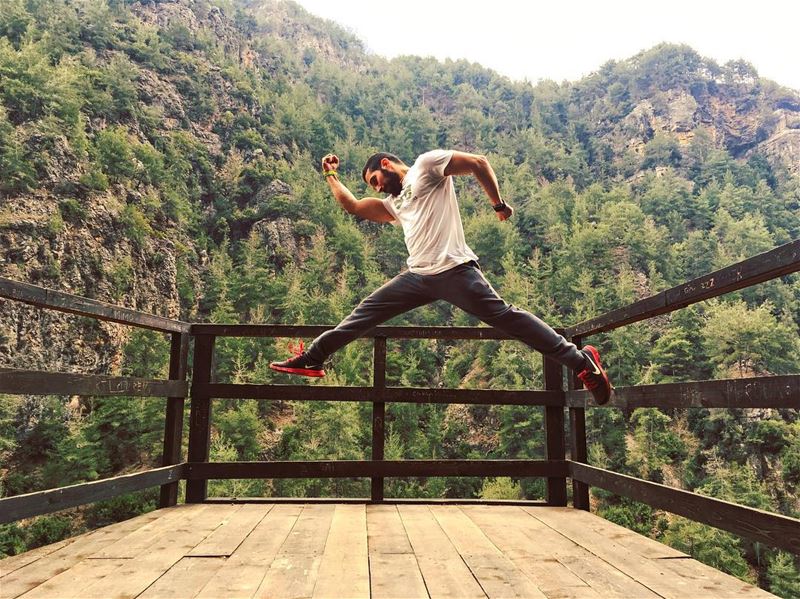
(53, 500)
(61, 301)
(390, 394)
(772, 529)
(285, 330)
(761, 392)
(775, 263)
(34, 382)
(388, 501)
(369, 468)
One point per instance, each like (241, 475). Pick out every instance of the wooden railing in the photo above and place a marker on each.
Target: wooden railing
(772, 391)
(762, 392)
(554, 467)
(175, 389)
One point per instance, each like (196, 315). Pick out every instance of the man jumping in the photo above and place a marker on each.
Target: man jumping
(441, 266)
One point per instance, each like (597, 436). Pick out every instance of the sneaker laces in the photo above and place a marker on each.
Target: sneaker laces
(589, 382)
(297, 349)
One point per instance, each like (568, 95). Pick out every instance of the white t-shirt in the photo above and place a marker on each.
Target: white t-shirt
(428, 212)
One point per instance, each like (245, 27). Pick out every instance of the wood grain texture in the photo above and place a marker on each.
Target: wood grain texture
(42, 297)
(344, 570)
(35, 382)
(368, 394)
(444, 572)
(293, 572)
(772, 529)
(152, 560)
(52, 500)
(359, 550)
(243, 572)
(652, 574)
(394, 571)
(782, 391)
(495, 572)
(200, 415)
(366, 468)
(38, 572)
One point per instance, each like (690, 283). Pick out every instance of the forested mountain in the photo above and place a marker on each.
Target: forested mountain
(164, 156)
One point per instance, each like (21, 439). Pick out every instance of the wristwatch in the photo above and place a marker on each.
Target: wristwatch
(499, 207)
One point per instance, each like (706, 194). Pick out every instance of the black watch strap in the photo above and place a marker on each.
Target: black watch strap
(500, 206)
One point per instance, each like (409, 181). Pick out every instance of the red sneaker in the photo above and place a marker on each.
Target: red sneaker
(300, 364)
(594, 378)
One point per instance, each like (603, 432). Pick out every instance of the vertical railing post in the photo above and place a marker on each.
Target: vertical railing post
(200, 415)
(577, 429)
(378, 412)
(173, 422)
(554, 432)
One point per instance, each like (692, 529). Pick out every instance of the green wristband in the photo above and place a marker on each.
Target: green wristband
(330, 173)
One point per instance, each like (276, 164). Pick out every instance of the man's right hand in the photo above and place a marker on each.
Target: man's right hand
(330, 163)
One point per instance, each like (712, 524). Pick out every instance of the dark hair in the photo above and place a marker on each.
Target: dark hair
(374, 162)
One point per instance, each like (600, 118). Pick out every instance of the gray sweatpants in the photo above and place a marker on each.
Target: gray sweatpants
(463, 286)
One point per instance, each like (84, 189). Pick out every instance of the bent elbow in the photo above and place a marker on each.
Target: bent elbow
(481, 163)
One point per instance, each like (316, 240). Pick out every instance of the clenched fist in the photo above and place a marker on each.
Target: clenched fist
(330, 162)
(505, 213)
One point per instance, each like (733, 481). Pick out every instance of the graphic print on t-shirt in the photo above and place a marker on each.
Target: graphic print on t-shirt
(406, 196)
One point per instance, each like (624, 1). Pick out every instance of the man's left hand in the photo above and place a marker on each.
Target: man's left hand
(505, 213)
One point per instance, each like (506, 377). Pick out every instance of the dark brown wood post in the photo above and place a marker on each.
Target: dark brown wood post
(378, 412)
(554, 431)
(200, 415)
(577, 429)
(173, 425)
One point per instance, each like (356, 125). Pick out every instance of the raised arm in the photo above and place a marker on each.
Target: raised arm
(368, 208)
(463, 163)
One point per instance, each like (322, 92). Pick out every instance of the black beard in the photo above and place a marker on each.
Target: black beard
(391, 182)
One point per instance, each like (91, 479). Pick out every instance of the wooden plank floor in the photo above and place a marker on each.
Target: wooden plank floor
(356, 550)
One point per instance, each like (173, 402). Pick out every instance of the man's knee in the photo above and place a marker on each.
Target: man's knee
(496, 314)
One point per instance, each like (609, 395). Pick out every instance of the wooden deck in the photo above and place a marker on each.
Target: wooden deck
(355, 550)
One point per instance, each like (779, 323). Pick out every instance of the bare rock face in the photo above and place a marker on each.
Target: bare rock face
(160, 92)
(682, 113)
(742, 126)
(283, 243)
(638, 127)
(91, 257)
(312, 40)
(188, 20)
(275, 189)
(783, 146)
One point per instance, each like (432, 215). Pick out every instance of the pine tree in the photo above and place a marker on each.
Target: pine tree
(783, 576)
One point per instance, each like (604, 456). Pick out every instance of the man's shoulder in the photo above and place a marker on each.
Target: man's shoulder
(433, 154)
(434, 161)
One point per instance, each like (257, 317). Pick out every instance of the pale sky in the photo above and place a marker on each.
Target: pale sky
(568, 39)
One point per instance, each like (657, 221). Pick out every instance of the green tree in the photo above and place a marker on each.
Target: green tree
(782, 575)
(711, 546)
(241, 426)
(654, 443)
(662, 150)
(744, 341)
(500, 488)
(679, 353)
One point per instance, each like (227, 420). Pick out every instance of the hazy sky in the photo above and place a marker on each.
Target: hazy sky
(567, 39)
